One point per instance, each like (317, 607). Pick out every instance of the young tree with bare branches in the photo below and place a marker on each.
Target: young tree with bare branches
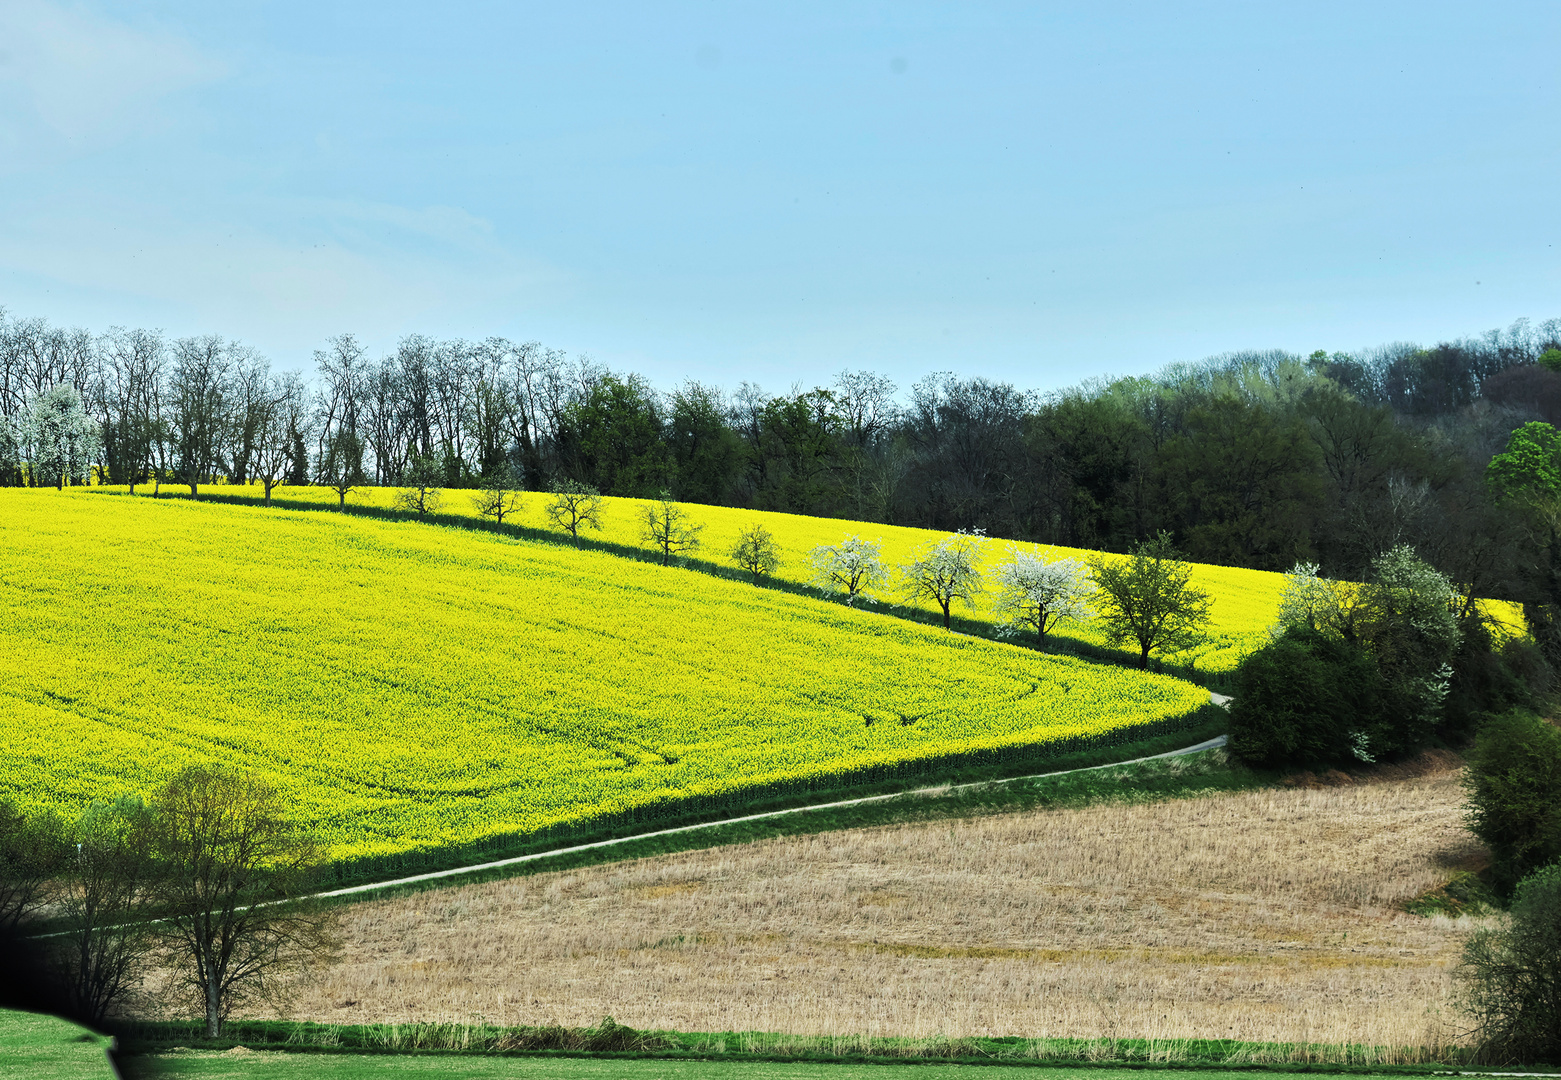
(574, 506)
(234, 870)
(666, 525)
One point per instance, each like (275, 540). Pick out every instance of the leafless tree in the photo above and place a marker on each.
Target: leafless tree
(666, 525)
(276, 441)
(199, 407)
(573, 506)
(233, 869)
(500, 495)
(103, 899)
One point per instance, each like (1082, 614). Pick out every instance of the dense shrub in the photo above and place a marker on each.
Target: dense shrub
(1304, 699)
(1512, 977)
(1514, 787)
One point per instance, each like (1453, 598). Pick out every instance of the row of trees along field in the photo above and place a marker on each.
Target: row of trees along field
(1260, 459)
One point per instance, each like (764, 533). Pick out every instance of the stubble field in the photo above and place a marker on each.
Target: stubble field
(1268, 916)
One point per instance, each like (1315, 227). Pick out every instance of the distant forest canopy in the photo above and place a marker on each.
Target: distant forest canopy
(1257, 459)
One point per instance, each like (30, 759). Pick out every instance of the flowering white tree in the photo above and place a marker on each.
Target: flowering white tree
(61, 438)
(1311, 601)
(1036, 594)
(947, 570)
(854, 566)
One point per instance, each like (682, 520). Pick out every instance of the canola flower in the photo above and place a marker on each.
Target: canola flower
(413, 687)
(1245, 607)
(1246, 602)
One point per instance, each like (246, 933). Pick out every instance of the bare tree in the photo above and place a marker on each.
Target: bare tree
(574, 506)
(947, 570)
(500, 495)
(276, 441)
(103, 898)
(341, 466)
(233, 868)
(854, 566)
(198, 407)
(667, 526)
(421, 481)
(756, 551)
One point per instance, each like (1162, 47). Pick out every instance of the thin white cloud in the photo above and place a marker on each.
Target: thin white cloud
(84, 78)
(317, 267)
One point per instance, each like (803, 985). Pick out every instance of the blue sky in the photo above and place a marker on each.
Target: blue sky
(727, 191)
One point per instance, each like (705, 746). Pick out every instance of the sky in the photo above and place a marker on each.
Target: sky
(1036, 193)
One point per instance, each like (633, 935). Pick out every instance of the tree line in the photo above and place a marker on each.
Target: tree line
(1257, 459)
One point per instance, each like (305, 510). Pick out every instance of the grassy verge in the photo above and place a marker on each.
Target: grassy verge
(620, 1044)
(1164, 778)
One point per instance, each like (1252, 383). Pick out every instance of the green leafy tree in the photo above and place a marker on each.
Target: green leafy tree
(573, 506)
(1511, 977)
(1305, 698)
(666, 526)
(756, 551)
(945, 571)
(1513, 785)
(32, 853)
(1148, 599)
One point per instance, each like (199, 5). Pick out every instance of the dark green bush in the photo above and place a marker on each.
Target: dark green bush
(1303, 700)
(1511, 977)
(1514, 787)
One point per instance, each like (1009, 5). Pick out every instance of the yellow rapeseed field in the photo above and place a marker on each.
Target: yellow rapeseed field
(1246, 602)
(412, 687)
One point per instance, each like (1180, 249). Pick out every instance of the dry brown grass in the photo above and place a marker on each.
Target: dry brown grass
(1266, 916)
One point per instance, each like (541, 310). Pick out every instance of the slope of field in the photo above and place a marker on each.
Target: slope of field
(1246, 602)
(414, 687)
(1270, 916)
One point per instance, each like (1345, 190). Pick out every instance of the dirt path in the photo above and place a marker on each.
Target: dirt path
(1208, 744)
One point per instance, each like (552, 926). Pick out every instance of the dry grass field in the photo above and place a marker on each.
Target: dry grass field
(1266, 915)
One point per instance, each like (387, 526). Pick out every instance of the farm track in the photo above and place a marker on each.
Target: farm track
(934, 792)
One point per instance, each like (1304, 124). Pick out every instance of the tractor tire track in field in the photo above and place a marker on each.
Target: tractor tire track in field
(435, 875)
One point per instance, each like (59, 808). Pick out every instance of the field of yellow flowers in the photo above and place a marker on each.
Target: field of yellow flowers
(414, 687)
(1245, 601)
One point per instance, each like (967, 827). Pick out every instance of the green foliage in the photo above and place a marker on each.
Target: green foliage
(1149, 599)
(32, 851)
(1529, 468)
(1303, 700)
(1551, 359)
(1406, 619)
(1513, 783)
(612, 437)
(1511, 977)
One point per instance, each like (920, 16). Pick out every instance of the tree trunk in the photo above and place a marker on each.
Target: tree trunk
(192, 489)
(213, 1012)
(945, 604)
(1143, 657)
